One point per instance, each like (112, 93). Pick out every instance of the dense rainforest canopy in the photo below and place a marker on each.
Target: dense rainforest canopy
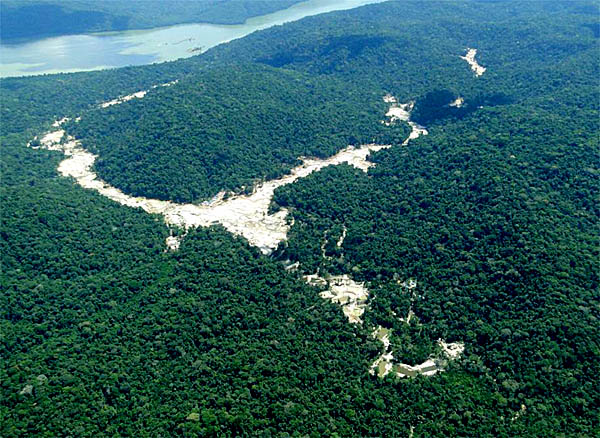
(209, 132)
(105, 333)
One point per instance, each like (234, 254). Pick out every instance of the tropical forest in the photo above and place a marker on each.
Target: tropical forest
(381, 221)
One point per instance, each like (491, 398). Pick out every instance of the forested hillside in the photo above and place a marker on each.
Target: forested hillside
(210, 132)
(30, 19)
(104, 332)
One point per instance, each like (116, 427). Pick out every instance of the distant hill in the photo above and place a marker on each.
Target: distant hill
(31, 19)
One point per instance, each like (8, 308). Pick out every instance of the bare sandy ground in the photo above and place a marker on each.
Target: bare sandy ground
(385, 364)
(343, 290)
(457, 103)
(340, 241)
(470, 58)
(137, 95)
(402, 112)
(244, 215)
(173, 242)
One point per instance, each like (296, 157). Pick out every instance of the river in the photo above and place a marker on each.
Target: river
(98, 51)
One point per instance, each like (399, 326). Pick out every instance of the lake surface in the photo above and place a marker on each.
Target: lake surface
(97, 51)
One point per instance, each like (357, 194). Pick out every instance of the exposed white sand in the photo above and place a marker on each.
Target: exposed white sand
(292, 266)
(173, 242)
(343, 290)
(457, 103)
(137, 95)
(352, 296)
(58, 123)
(470, 58)
(384, 364)
(452, 350)
(402, 112)
(122, 99)
(245, 215)
(315, 280)
(340, 241)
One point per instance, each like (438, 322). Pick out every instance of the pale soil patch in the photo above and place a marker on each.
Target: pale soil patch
(315, 280)
(340, 241)
(402, 112)
(51, 140)
(244, 215)
(122, 99)
(384, 364)
(457, 103)
(470, 58)
(173, 242)
(292, 266)
(343, 290)
(58, 123)
(247, 215)
(137, 95)
(452, 350)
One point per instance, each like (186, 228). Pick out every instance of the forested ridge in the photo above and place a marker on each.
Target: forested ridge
(23, 20)
(494, 213)
(210, 133)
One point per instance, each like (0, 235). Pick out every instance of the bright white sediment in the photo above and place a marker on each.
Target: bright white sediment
(457, 103)
(119, 100)
(402, 112)
(343, 290)
(385, 364)
(173, 242)
(244, 215)
(340, 241)
(137, 95)
(470, 58)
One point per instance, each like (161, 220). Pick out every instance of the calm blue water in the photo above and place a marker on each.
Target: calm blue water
(118, 49)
